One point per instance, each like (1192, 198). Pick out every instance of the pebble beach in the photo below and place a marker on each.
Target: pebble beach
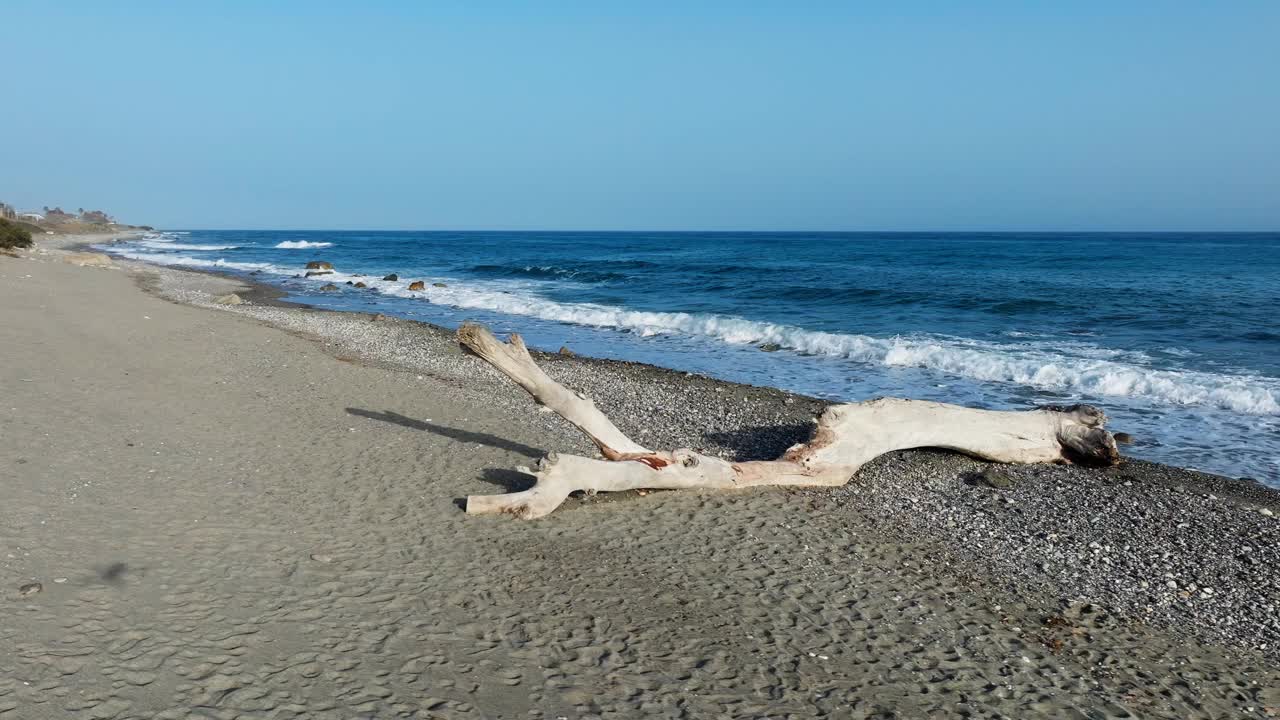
(252, 510)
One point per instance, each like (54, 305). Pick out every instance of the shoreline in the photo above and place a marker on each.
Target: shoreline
(1091, 548)
(793, 419)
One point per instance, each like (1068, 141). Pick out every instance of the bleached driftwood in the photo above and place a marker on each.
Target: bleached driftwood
(846, 438)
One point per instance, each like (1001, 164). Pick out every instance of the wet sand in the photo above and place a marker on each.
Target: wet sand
(252, 511)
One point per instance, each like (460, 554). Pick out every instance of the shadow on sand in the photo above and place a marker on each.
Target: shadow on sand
(460, 435)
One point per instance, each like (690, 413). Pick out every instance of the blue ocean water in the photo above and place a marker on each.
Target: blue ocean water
(1175, 335)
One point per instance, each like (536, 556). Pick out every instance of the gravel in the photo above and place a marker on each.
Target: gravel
(1190, 552)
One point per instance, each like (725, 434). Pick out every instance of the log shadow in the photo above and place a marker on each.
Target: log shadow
(452, 433)
(766, 442)
(508, 480)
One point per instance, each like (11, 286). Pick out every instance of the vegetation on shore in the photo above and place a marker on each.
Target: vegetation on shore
(13, 235)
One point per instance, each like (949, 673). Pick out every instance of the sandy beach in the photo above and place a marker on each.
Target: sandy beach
(252, 511)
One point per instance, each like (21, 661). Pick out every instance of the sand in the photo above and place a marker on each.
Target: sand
(251, 511)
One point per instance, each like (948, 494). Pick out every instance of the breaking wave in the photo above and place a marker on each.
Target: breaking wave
(302, 245)
(1063, 366)
(1092, 370)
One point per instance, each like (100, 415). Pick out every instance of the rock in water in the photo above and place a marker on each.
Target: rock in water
(229, 299)
(319, 265)
(329, 288)
(1123, 438)
(361, 285)
(417, 285)
(438, 285)
(392, 277)
(771, 347)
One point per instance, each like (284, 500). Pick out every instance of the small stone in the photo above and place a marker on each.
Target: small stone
(771, 347)
(30, 589)
(438, 284)
(1123, 438)
(997, 479)
(417, 285)
(228, 299)
(329, 288)
(1267, 512)
(378, 317)
(59, 580)
(361, 285)
(392, 277)
(321, 557)
(566, 352)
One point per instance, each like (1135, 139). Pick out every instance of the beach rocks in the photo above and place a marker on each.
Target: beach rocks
(361, 285)
(329, 288)
(378, 317)
(392, 277)
(566, 352)
(995, 478)
(771, 347)
(438, 284)
(229, 299)
(319, 267)
(417, 285)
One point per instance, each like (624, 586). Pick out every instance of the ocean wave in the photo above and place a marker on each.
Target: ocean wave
(1048, 364)
(170, 245)
(185, 261)
(547, 271)
(302, 245)
(1090, 372)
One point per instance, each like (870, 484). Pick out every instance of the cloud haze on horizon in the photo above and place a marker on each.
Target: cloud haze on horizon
(716, 115)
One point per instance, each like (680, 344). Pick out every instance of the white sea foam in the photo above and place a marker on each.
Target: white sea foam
(302, 245)
(1077, 368)
(1071, 366)
(184, 261)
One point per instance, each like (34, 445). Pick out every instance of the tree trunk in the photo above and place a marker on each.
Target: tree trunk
(846, 438)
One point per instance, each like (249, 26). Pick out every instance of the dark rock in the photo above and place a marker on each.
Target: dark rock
(329, 288)
(771, 347)
(30, 589)
(566, 352)
(361, 285)
(319, 265)
(438, 285)
(393, 277)
(1123, 438)
(995, 478)
(350, 283)
(417, 285)
(378, 317)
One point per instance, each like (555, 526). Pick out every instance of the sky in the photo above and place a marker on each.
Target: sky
(647, 115)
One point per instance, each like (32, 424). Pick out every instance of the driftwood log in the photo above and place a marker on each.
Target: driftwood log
(846, 438)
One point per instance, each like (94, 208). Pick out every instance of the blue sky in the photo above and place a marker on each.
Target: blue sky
(654, 115)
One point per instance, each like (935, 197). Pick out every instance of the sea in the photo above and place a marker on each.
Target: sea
(1175, 335)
